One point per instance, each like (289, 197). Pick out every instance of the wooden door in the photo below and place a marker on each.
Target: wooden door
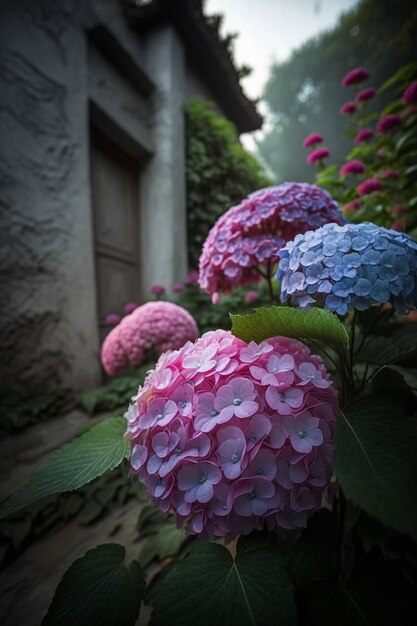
(115, 190)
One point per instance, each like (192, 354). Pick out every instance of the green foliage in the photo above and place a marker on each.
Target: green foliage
(98, 590)
(116, 393)
(288, 322)
(219, 172)
(161, 537)
(211, 588)
(375, 461)
(100, 449)
(304, 94)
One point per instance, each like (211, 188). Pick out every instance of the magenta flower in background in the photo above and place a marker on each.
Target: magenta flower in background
(351, 207)
(312, 139)
(370, 185)
(398, 209)
(388, 174)
(112, 319)
(158, 325)
(130, 307)
(352, 167)
(388, 122)
(410, 94)
(348, 108)
(251, 296)
(365, 94)
(215, 297)
(243, 243)
(178, 288)
(318, 155)
(234, 463)
(363, 135)
(157, 290)
(191, 279)
(355, 76)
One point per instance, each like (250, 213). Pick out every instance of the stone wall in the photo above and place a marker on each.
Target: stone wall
(55, 76)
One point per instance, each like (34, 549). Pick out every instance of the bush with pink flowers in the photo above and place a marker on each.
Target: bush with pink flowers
(234, 436)
(385, 145)
(154, 326)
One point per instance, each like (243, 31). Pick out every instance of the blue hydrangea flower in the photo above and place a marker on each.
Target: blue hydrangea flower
(351, 266)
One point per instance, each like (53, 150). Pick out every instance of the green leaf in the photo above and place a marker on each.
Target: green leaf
(211, 588)
(406, 72)
(102, 448)
(161, 537)
(98, 590)
(289, 322)
(400, 345)
(375, 462)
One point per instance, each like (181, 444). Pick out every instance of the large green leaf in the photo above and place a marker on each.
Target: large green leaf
(376, 463)
(210, 588)
(161, 537)
(289, 322)
(101, 448)
(399, 346)
(98, 590)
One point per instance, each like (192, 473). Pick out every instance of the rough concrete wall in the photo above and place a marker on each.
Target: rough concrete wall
(48, 318)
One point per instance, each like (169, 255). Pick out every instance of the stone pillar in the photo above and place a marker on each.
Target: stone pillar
(164, 230)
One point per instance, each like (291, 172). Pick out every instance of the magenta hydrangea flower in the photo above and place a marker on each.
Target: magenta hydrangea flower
(313, 139)
(368, 186)
(388, 122)
(348, 108)
(352, 167)
(365, 94)
(130, 307)
(178, 288)
(155, 325)
(318, 155)
(355, 76)
(251, 296)
(112, 319)
(389, 174)
(244, 241)
(365, 134)
(410, 94)
(237, 437)
(157, 290)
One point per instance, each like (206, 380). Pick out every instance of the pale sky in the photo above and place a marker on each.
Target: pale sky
(270, 29)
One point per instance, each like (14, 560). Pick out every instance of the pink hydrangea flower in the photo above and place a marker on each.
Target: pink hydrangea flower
(178, 288)
(251, 296)
(348, 108)
(388, 174)
(365, 94)
(313, 139)
(355, 76)
(370, 185)
(155, 325)
(254, 445)
(318, 155)
(191, 279)
(398, 225)
(365, 134)
(388, 122)
(352, 167)
(244, 241)
(130, 307)
(112, 319)
(410, 94)
(157, 290)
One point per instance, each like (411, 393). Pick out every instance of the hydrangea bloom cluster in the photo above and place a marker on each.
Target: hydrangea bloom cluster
(355, 76)
(249, 235)
(352, 167)
(231, 436)
(388, 122)
(155, 325)
(410, 94)
(312, 140)
(351, 266)
(365, 94)
(365, 134)
(368, 186)
(318, 155)
(348, 108)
